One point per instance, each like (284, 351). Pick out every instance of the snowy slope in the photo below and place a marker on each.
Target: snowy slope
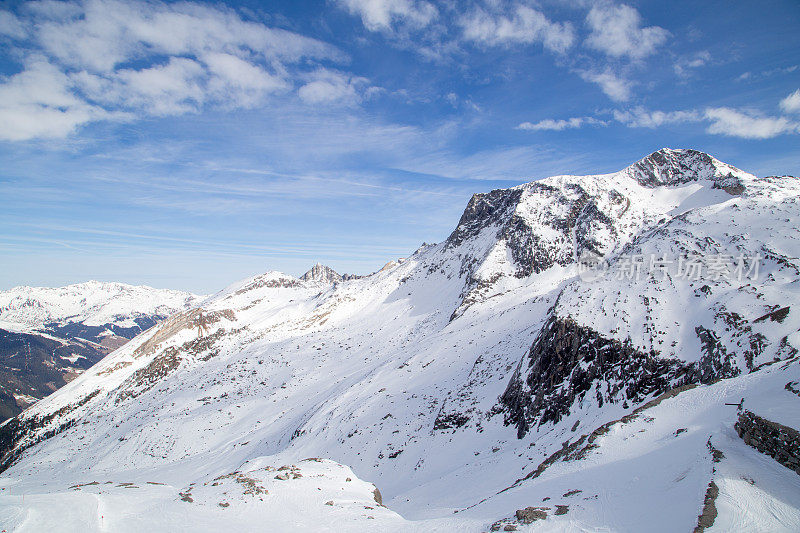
(49, 336)
(447, 377)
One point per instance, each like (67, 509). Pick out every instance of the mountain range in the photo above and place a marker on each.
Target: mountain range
(581, 353)
(49, 336)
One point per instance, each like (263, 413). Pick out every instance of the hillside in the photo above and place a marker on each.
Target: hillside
(49, 336)
(562, 361)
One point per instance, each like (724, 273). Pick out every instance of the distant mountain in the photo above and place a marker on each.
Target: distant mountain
(575, 354)
(49, 336)
(326, 275)
(322, 274)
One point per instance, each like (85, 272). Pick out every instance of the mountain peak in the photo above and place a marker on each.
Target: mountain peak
(669, 166)
(663, 168)
(322, 274)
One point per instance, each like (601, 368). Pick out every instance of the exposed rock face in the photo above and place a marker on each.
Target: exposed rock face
(537, 223)
(716, 362)
(322, 274)
(271, 280)
(619, 338)
(483, 210)
(17, 435)
(531, 514)
(569, 362)
(709, 514)
(526, 230)
(532, 228)
(780, 442)
(534, 251)
(675, 167)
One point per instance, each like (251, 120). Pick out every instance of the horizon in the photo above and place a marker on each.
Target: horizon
(292, 274)
(189, 145)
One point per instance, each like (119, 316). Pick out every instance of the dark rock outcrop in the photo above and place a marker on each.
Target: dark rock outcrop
(569, 362)
(676, 167)
(269, 281)
(715, 362)
(709, 514)
(484, 209)
(780, 442)
(531, 514)
(322, 274)
(18, 434)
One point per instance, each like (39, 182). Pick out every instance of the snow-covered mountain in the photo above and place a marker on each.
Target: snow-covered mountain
(48, 336)
(94, 303)
(562, 361)
(322, 274)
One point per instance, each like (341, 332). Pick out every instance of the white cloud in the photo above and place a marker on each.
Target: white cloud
(618, 89)
(791, 104)
(236, 83)
(193, 56)
(560, 124)
(735, 123)
(171, 89)
(745, 124)
(11, 26)
(184, 85)
(524, 26)
(327, 87)
(38, 102)
(639, 117)
(616, 31)
(767, 73)
(100, 34)
(683, 65)
(380, 15)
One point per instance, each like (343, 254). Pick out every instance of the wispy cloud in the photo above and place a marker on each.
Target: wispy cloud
(438, 30)
(751, 76)
(684, 65)
(639, 117)
(741, 123)
(511, 165)
(560, 124)
(731, 122)
(728, 121)
(443, 31)
(11, 26)
(140, 242)
(39, 102)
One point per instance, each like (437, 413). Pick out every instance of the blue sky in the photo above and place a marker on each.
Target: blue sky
(191, 144)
